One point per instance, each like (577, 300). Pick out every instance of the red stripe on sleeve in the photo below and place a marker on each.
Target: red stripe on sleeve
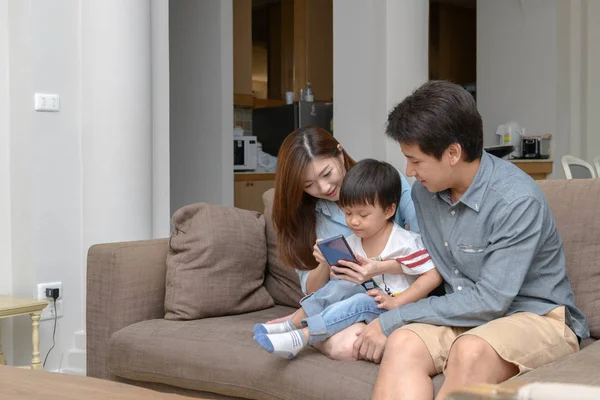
(411, 256)
(417, 263)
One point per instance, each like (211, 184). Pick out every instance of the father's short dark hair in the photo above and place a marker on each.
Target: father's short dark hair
(436, 115)
(371, 182)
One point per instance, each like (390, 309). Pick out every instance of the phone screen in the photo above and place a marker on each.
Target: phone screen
(336, 249)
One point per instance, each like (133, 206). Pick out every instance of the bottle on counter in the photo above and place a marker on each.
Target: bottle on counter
(308, 95)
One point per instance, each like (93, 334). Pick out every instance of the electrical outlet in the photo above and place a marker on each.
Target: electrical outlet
(49, 311)
(41, 290)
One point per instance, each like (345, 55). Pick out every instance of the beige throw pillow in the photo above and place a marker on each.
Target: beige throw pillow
(216, 263)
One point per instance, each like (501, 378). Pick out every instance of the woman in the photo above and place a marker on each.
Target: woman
(310, 169)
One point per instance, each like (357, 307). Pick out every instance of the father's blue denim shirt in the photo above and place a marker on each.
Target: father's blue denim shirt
(497, 249)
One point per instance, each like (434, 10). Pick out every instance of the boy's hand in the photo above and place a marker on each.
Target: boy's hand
(318, 255)
(385, 301)
(359, 273)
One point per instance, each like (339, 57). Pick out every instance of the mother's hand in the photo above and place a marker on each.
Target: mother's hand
(357, 273)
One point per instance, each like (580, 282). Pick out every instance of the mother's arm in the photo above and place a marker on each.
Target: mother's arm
(406, 214)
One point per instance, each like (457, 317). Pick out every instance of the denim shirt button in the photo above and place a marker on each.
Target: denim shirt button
(459, 288)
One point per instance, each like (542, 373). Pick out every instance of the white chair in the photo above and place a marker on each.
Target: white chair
(597, 164)
(568, 161)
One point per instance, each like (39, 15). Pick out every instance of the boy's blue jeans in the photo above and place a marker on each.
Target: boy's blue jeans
(336, 306)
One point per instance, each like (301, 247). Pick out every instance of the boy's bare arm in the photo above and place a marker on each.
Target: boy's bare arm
(424, 284)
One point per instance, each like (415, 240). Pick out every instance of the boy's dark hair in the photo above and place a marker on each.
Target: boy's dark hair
(371, 182)
(436, 115)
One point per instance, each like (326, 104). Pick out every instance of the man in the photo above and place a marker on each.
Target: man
(509, 305)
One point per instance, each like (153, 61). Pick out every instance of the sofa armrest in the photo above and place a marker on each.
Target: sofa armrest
(125, 285)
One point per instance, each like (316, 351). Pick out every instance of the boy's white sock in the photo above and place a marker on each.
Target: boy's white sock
(286, 345)
(281, 327)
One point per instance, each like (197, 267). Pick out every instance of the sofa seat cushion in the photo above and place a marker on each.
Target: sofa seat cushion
(218, 355)
(582, 367)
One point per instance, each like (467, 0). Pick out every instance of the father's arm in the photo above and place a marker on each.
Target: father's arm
(516, 238)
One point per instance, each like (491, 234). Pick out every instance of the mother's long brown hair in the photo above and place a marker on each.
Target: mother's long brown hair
(294, 214)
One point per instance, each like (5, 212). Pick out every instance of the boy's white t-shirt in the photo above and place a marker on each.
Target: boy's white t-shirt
(405, 247)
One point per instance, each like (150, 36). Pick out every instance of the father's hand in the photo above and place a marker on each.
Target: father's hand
(370, 343)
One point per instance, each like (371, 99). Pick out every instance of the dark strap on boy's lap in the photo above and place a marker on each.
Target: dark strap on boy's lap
(370, 284)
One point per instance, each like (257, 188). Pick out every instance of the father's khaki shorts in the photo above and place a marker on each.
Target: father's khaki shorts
(524, 339)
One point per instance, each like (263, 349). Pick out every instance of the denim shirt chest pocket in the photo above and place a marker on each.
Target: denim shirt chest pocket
(471, 258)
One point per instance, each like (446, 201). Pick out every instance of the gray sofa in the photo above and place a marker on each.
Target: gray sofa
(135, 335)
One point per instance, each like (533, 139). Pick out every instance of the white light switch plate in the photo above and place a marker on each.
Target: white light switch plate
(47, 102)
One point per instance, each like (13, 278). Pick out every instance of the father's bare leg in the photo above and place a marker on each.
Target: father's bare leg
(472, 360)
(406, 369)
(339, 346)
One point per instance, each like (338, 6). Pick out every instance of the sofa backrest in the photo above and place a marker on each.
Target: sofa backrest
(575, 205)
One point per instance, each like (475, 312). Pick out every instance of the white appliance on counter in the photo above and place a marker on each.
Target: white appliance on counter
(244, 153)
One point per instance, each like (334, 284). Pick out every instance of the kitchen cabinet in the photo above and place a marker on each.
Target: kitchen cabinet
(242, 51)
(298, 38)
(313, 47)
(453, 41)
(248, 188)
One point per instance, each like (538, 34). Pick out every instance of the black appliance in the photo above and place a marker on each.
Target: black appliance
(271, 125)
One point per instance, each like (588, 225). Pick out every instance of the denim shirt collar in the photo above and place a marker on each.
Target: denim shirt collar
(473, 197)
(331, 210)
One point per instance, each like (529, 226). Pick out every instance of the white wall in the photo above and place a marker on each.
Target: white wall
(5, 270)
(161, 211)
(82, 175)
(407, 59)
(45, 165)
(359, 77)
(517, 65)
(116, 123)
(538, 64)
(201, 87)
(592, 147)
(379, 57)
(5, 226)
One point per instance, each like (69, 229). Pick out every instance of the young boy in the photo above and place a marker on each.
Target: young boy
(369, 197)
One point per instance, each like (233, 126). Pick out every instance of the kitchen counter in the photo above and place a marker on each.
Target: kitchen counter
(253, 176)
(531, 160)
(538, 169)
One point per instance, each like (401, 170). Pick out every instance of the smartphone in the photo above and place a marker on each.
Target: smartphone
(335, 249)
